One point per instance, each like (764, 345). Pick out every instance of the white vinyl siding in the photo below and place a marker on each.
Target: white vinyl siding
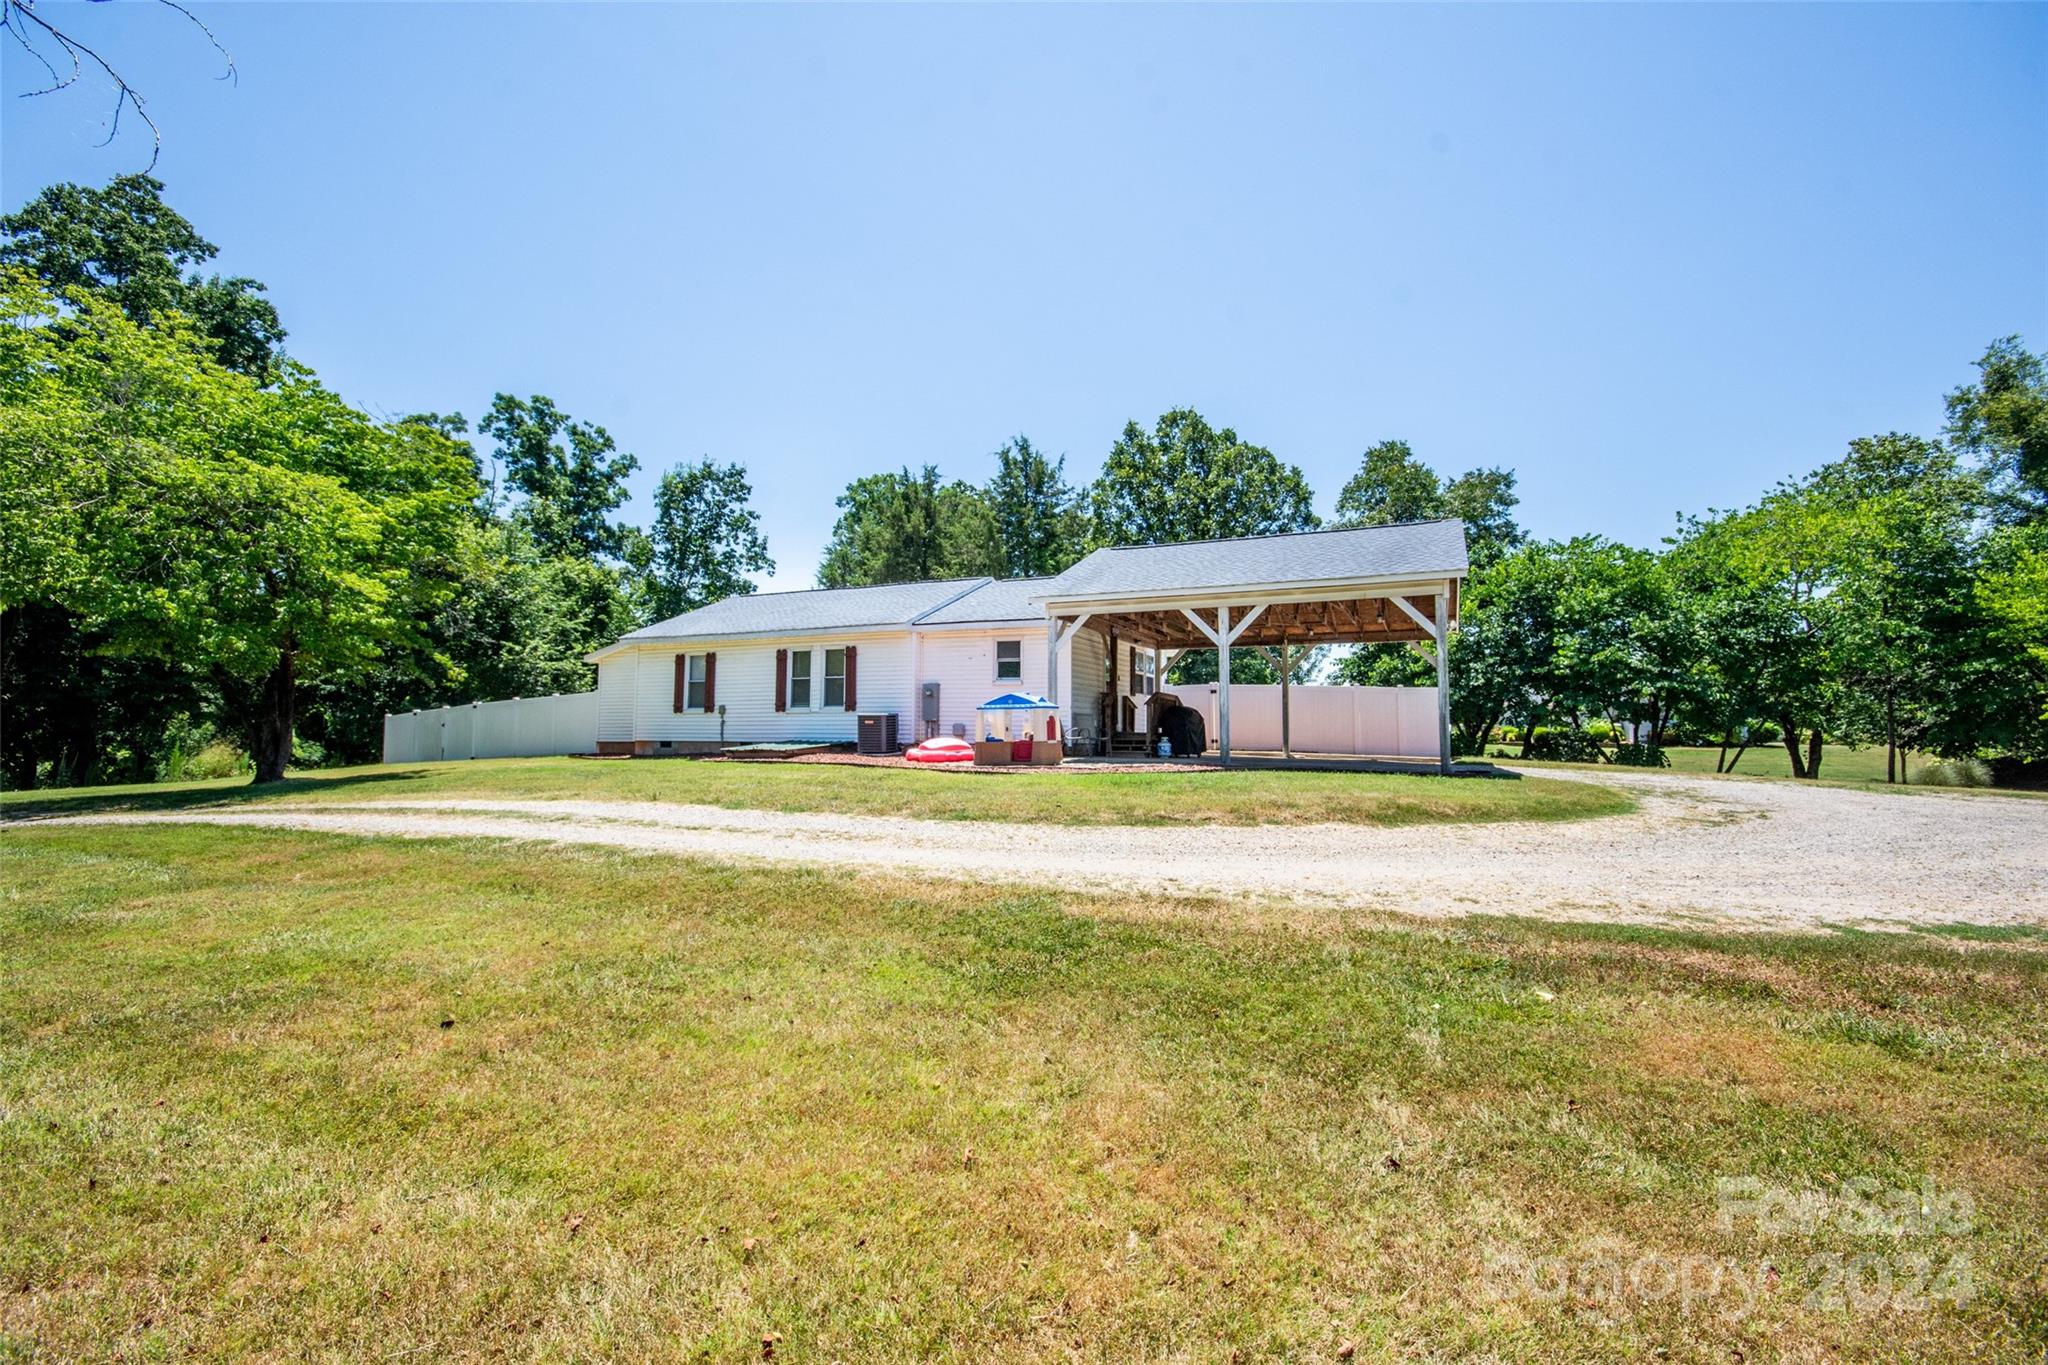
(637, 686)
(617, 678)
(746, 688)
(963, 664)
(1088, 664)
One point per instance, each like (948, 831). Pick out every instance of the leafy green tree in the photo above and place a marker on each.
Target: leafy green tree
(77, 713)
(1040, 522)
(909, 528)
(1898, 514)
(1195, 667)
(126, 245)
(1770, 559)
(706, 539)
(2003, 418)
(1485, 500)
(1185, 480)
(99, 716)
(505, 620)
(1393, 486)
(570, 475)
(1399, 665)
(2001, 685)
(265, 533)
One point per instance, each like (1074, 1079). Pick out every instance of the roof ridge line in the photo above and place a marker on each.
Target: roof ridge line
(976, 586)
(1282, 535)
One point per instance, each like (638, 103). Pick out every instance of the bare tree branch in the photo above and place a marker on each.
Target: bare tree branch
(231, 75)
(19, 18)
(8, 22)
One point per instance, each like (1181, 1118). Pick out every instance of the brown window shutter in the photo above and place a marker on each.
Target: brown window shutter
(782, 680)
(851, 655)
(710, 681)
(682, 680)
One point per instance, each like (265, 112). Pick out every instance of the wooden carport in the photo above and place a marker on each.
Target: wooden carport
(1371, 585)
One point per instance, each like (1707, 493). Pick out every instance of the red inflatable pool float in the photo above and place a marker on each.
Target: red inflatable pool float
(942, 751)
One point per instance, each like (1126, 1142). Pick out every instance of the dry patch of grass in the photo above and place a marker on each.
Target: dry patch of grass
(303, 1097)
(1067, 797)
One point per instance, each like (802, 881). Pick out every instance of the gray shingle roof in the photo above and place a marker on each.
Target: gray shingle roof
(1008, 599)
(775, 613)
(1422, 549)
(1426, 549)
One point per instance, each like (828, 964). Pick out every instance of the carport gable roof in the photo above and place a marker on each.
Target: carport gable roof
(1421, 551)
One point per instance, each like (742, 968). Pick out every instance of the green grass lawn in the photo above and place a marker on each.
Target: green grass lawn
(283, 1096)
(1840, 765)
(1065, 797)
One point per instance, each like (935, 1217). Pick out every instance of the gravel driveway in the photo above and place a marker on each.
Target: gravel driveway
(1700, 850)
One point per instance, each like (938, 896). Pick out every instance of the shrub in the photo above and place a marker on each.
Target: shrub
(1954, 772)
(1564, 745)
(2011, 770)
(217, 758)
(1642, 756)
(1605, 731)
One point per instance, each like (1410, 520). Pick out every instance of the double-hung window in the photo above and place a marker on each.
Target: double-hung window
(693, 691)
(800, 680)
(1143, 684)
(1009, 661)
(835, 678)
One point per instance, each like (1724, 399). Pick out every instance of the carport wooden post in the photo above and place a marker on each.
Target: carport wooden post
(1223, 685)
(1052, 661)
(1055, 636)
(1443, 681)
(1286, 740)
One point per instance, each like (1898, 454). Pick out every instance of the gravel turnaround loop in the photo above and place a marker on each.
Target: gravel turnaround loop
(1697, 850)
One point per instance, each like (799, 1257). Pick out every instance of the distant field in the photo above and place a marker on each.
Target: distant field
(1838, 763)
(1066, 797)
(282, 1096)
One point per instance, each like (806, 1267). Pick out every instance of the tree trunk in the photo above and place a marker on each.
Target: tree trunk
(273, 747)
(1791, 735)
(1891, 742)
(1813, 753)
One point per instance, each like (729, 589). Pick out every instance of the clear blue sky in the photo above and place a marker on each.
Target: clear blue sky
(1652, 258)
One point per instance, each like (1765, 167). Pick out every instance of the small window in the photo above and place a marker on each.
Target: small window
(1009, 661)
(1143, 684)
(693, 690)
(800, 680)
(835, 678)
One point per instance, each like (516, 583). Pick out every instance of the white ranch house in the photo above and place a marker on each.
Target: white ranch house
(804, 666)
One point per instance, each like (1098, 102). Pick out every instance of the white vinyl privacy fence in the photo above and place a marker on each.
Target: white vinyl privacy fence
(524, 727)
(1384, 722)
